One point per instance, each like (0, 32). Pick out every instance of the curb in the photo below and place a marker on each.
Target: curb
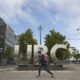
(9, 69)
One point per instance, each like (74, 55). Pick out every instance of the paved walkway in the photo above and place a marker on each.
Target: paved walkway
(31, 75)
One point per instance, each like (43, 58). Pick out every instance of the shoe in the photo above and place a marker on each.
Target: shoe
(52, 76)
(37, 76)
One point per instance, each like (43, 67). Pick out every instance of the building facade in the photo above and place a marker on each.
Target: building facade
(7, 39)
(10, 37)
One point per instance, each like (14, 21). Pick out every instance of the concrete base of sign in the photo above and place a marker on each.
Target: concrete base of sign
(30, 67)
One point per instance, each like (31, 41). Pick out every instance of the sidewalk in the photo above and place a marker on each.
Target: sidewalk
(8, 67)
(9, 73)
(31, 75)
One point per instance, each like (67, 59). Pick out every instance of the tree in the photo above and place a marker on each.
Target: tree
(21, 39)
(26, 38)
(8, 54)
(54, 38)
(29, 37)
(21, 42)
(76, 56)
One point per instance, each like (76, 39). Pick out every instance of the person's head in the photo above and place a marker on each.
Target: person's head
(42, 55)
(40, 50)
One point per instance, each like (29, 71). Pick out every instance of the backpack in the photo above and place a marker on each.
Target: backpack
(46, 58)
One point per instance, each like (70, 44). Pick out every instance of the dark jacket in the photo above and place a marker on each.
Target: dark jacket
(42, 61)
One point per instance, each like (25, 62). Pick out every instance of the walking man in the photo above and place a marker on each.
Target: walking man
(43, 63)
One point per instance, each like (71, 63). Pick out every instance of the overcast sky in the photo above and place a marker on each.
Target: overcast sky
(61, 15)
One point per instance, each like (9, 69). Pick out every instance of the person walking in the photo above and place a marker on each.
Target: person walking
(43, 61)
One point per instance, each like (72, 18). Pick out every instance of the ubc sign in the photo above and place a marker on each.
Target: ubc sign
(44, 51)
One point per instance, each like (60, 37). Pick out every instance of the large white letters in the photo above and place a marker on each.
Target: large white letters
(53, 51)
(29, 53)
(44, 51)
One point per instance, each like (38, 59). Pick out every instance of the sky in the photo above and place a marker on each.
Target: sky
(61, 15)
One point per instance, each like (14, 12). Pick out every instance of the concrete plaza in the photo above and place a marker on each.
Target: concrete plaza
(73, 74)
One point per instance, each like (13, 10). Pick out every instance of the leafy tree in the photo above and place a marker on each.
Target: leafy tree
(21, 42)
(21, 39)
(26, 38)
(8, 54)
(54, 38)
(76, 56)
(29, 37)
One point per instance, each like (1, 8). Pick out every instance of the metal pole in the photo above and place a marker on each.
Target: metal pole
(40, 29)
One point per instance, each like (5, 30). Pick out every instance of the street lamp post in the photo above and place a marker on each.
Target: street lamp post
(40, 28)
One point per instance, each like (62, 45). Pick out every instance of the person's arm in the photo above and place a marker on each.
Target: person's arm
(38, 60)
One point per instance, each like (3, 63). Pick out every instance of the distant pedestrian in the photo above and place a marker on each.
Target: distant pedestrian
(43, 61)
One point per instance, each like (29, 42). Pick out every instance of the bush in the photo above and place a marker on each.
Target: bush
(63, 54)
